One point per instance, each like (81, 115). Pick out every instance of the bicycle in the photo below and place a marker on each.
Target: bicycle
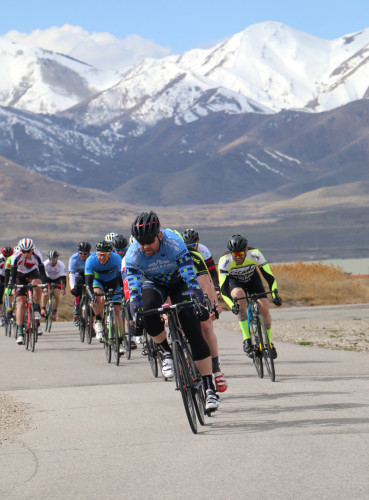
(85, 318)
(111, 334)
(261, 349)
(50, 306)
(188, 380)
(9, 318)
(126, 338)
(30, 329)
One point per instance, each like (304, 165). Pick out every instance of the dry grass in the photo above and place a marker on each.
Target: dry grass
(318, 284)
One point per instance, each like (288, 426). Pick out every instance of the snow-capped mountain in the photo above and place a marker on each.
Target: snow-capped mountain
(247, 104)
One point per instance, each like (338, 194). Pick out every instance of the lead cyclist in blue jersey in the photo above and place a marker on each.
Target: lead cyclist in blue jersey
(159, 265)
(102, 272)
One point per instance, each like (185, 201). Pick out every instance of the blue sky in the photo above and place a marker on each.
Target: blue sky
(180, 25)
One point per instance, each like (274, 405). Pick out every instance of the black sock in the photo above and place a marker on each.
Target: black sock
(98, 317)
(164, 346)
(208, 382)
(215, 364)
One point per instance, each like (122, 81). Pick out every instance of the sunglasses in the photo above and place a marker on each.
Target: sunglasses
(102, 254)
(52, 260)
(26, 251)
(238, 254)
(191, 245)
(146, 241)
(83, 253)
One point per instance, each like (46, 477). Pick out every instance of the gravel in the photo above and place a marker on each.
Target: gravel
(14, 417)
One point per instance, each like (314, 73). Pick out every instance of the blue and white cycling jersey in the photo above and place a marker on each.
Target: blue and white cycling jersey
(103, 272)
(171, 264)
(76, 265)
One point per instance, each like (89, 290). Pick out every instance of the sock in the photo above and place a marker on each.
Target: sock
(208, 383)
(98, 317)
(76, 301)
(164, 346)
(20, 330)
(245, 329)
(269, 332)
(215, 364)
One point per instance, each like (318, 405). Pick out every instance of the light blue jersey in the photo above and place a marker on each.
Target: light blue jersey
(103, 272)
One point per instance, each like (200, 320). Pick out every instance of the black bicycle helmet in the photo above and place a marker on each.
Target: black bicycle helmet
(237, 243)
(104, 246)
(145, 227)
(7, 251)
(120, 242)
(84, 246)
(190, 236)
(53, 254)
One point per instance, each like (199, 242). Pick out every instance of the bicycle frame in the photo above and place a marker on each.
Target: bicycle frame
(112, 337)
(30, 324)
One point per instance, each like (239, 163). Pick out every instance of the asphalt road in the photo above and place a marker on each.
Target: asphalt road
(100, 431)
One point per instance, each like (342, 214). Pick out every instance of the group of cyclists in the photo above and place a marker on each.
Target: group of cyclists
(154, 266)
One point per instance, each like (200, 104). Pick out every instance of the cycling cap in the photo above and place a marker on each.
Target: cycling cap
(111, 237)
(104, 246)
(53, 254)
(26, 244)
(237, 243)
(145, 227)
(120, 242)
(7, 251)
(84, 246)
(190, 236)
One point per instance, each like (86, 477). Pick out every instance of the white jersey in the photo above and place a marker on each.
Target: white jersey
(55, 272)
(203, 251)
(27, 265)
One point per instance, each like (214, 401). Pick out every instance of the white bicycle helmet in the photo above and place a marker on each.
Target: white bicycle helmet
(111, 237)
(26, 244)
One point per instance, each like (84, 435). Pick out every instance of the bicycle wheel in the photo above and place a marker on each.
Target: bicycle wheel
(257, 354)
(267, 353)
(83, 319)
(183, 381)
(106, 337)
(48, 315)
(151, 354)
(90, 323)
(114, 337)
(126, 332)
(32, 329)
(197, 388)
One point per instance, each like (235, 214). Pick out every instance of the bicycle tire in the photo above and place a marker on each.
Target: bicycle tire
(90, 324)
(48, 315)
(115, 338)
(267, 353)
(183, 381)
(82, 320)
(32, 330)
(151, 354)
(197, 388)
(126, 333)
(4, 313)
(107, 344)
(52, 307)
(257, 354)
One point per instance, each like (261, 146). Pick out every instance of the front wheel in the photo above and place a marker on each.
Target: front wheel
(257, 354)
(267, 352)
(151, 354)
(32, 329)
(183, 381)
(126, 332)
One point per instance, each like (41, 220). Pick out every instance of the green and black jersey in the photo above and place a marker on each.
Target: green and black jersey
(199, 263)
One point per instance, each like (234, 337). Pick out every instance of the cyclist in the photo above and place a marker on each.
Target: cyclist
(55, 272)
(26, 267)
(110, 237)
(8, 290)
(120, 245)
(76, 269)
(207, 329)
(192, 240)
(238, 275)
(158, 265)
(101, 274)
(5, 253)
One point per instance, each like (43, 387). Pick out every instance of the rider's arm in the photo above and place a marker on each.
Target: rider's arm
(188, 273)
(224, 279)
(213, 271)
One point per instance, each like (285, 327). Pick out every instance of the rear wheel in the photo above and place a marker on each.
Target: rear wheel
(183, 380)
(107, 341)
(83, 319)
(32, 328)
(90, 323)
(115, 337)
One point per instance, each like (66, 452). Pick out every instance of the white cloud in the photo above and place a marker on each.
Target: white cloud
(101, 50)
